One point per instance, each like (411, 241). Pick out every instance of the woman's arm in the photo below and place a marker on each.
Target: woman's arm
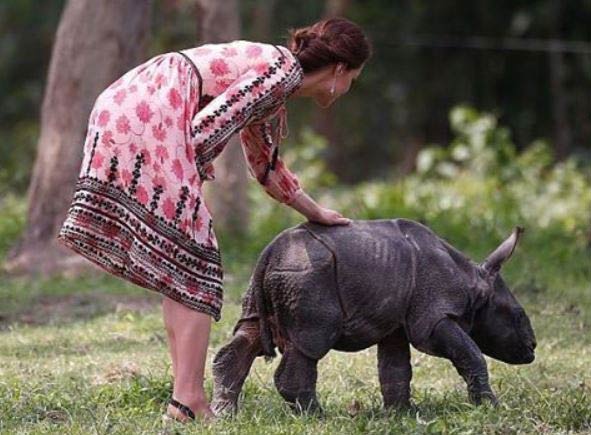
(248, 98)
(268, 169)
(278, 181)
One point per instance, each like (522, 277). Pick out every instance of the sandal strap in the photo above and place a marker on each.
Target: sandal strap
(183, 408)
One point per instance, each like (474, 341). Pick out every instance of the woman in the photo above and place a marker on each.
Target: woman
(138, 208)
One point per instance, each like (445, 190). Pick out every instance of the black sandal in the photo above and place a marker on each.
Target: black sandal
(183, 408)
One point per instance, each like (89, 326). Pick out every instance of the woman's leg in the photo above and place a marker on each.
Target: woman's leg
(166, 312)
(190, 331)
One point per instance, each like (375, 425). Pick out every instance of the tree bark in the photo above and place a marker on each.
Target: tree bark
(96, 42)
(335, 8)
(562, 129)
(326, 123)
(261, 18)
(227, 195)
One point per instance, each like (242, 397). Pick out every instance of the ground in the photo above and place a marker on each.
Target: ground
(89, 356)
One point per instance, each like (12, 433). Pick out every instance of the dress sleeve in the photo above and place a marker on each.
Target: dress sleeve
(247, 99)
(264, 163)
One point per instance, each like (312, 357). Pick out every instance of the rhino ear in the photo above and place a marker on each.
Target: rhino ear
(495, 260)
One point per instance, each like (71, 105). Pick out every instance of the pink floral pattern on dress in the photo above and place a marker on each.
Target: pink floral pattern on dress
(97, 161)
(125, 177)
(219, 67)
(138, 209)
(142, 195)
(103, 118)
(254, 50)
(144, 112)
(107, 138)
(122, 125)
(168, 208)
(159, 132)
(177, 169)
(174, 98)
(229, 52)
(161, 153)
(119, 97)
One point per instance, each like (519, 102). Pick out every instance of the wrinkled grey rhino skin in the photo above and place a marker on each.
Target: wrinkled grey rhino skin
(385, 282)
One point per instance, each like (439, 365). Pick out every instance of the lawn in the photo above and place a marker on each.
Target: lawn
(89, 355)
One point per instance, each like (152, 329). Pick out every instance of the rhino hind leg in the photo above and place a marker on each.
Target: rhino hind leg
(231, 366)
(394, 370)
(295, 379)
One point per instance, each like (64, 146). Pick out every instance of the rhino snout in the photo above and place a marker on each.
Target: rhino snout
(527, 355)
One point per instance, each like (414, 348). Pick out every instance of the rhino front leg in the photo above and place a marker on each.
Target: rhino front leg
(231, 366)
(394, 370)
(295, 379)
(450, 341)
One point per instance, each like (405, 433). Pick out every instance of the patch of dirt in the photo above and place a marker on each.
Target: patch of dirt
(116, 373)
(69, 308)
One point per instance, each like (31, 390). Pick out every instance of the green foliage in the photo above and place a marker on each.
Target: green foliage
(472, 193)
(268, 217)
(402, 96)
(480, 147)
(79, 370)
(27, 28)
(481, 172)
(12, 221)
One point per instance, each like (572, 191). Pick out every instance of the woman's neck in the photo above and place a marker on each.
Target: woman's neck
(312, 82)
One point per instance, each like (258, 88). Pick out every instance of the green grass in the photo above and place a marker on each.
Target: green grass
(89, 355)
(107, 371)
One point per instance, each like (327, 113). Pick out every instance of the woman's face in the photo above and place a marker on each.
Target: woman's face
(339, 79)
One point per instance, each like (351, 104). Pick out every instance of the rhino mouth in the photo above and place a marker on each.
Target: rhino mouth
(527, 357)
(516, 355)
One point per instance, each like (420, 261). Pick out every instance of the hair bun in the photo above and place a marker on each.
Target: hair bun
(302, 38)
(329, 41)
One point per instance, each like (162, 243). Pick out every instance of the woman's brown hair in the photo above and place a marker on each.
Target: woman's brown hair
(330, 41)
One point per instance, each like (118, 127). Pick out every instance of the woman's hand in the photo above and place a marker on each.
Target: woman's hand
(316, 213)
(329, 217)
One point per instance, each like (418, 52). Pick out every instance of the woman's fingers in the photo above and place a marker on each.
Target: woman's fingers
(332, 217)
(344, 221)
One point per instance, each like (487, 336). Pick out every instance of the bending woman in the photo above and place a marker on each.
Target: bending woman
(138, 209)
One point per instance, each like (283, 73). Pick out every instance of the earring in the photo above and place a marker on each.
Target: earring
(332, 89)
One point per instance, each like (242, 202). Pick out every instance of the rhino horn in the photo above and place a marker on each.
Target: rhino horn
(495, 260)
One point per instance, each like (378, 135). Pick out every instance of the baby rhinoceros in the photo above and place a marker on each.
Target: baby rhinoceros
(385, 282)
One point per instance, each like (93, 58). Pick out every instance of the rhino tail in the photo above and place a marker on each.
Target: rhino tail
(258, 292)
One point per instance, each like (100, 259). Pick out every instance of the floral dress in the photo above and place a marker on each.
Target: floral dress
(138, 209)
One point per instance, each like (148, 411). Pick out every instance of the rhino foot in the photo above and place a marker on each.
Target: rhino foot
(224, 407)
(484, 396)
(305, 404)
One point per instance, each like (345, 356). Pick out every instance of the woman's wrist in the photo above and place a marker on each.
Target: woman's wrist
(305, 205)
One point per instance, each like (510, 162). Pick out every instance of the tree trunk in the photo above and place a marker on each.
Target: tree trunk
(326, 123)
(336, 8)
(96, 42)
(562, 131)
(227, 195)
(262, 17)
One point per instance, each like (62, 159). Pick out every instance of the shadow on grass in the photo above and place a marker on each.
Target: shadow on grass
(59, 348)
(60, 302)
